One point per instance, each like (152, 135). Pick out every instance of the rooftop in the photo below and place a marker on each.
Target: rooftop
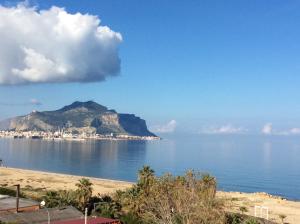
(41, 216)
(96, 220)
(8, 202)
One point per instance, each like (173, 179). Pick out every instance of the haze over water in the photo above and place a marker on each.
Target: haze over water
(240, 163)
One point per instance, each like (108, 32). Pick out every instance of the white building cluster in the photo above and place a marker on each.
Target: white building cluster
(62, 135)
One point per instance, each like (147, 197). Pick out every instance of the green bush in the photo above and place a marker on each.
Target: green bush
(173, 199)
(190, 198)
(251, 221)
(60, 198)
(233, 218)
(10, 192)
(130, 218)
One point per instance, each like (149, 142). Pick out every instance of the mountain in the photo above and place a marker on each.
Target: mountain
(79, 117)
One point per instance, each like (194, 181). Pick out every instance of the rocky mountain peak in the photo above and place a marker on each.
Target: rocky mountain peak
(90, 105)
(80, 117)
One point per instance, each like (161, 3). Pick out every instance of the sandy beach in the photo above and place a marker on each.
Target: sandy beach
(276, 205)
(55, 181)
(35, 181)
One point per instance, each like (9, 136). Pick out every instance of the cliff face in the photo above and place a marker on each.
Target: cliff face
(79, 117)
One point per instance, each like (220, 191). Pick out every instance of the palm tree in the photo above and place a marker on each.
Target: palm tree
(208, 180)
(84, 191)
(145, 173)
(209, 183)
(144, 177)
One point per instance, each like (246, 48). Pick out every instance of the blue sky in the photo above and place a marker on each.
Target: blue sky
(200, 63)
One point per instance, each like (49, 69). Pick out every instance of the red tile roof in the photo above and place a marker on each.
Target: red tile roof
(98, 220)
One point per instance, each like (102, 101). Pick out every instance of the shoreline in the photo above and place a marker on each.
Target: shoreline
(40, 181)
(74, 176)
(57, 181)
(85, 139)
(50, 136)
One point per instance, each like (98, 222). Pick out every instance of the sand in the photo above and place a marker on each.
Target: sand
(54, 181)
(40, 181)
(276, 205)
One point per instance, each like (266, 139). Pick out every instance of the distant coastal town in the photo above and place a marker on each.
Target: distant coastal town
(61, 135)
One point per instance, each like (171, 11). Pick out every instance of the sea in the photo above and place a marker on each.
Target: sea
(246, 163)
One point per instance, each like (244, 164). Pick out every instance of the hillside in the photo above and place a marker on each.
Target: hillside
(79, 117)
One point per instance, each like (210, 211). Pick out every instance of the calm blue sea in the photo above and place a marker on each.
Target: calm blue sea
(240, 163)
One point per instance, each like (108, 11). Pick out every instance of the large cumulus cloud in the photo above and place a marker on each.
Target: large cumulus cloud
(55, 46)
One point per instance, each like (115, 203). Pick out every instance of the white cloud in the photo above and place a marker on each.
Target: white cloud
(295, 131)
(225, 129)
(30, 102)
(166, 128)
(55, 46)
(35, 102)
(292, 131)
(267, 129)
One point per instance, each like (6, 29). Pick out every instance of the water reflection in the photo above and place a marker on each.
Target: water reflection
(93, 158)
(267, 149)
(240, 163)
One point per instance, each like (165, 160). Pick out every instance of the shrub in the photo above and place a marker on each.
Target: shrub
(251, 221)
(282, 217)
(130, 218)
(243, 209)
(233, 218)
(10, 192)
(170, 199)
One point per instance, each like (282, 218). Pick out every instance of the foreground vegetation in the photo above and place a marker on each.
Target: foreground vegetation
(188, 199)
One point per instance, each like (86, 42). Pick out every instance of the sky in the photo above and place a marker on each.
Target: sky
(191, 66)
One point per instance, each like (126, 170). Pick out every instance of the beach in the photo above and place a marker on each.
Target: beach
(30, 179)
(33, 182)
(276, 205)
